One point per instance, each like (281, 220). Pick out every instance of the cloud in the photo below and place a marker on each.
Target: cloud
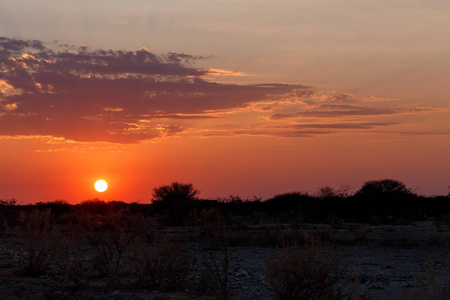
(353, 125)
(300, 130)
(335, 111)
(116, 96)
(267, 132)
(109, 95)
(346, 97)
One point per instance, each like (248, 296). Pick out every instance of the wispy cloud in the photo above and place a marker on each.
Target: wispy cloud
(117, 96)
(334, 111)
(300, 130)
(353, 125)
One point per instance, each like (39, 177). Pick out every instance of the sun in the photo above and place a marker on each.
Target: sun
(101, 186)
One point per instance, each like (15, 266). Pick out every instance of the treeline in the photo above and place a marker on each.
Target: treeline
(384, 201)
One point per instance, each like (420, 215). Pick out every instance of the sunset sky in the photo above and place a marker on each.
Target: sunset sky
(248, 98)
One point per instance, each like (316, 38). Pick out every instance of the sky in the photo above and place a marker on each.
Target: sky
(243, 98)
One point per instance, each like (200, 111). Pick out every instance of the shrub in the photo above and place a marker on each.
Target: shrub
(94, 206)
(307, 273)
(359, 234)
(112, 236)
(41, 238)
(323, 234)
(326, 192)
(174, 201)
(57, 207)
(8, 202)
(34, 265)
(383, 187)
(165, 265)
(375, 220)
(175, 192)
(428, 286)
(213, 272)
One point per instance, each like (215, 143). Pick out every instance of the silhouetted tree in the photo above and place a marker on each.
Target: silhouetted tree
(326, 192)
(58, 207)
(175, 192)
(383, 187)
(299, 206)
(174, 201)
(387, 198)
(8, 202)
(329, 192)
(94, 206)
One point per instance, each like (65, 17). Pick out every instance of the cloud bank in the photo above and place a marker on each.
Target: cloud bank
(125, 97)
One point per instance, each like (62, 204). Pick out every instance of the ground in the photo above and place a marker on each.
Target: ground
(376, 262)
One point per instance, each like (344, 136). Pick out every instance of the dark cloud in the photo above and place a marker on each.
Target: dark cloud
(182, 117)
(334, 111)
(267, 132)
(281, 85)
(354, 125)
(129, 96)
(300, 130)
(108, 95)
(10, 47)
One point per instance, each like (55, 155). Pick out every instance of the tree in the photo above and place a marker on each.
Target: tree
(326, 192)
(175, 192)
(384, 187)
(386, 198)
(174, 202)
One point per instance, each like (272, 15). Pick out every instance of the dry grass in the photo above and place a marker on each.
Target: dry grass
(303, 273)
(427, 287)
(42, 242)
(164, 265)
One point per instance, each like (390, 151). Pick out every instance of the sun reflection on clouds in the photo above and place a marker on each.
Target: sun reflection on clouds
(113, 109)
(116, 96)
(60, 140)
(221, 72)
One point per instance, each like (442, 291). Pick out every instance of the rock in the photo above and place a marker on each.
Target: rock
(242, 273)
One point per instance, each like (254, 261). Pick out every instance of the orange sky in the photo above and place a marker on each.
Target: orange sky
(236, 98)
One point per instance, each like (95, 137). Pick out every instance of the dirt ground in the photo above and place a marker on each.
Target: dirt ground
(377, 262)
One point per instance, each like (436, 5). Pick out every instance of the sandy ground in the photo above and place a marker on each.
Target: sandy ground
(377, 262)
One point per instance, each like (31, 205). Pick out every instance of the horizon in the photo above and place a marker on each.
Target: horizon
(382, 189)
(236, 98)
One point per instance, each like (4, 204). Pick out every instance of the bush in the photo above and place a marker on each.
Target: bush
(174, 201)
(213, 272)
(165, 265)
(303, 273)
(94, 206)
(384, 187)
(8, 202)
(112, 236)
(41, 238)
(175, 192)
(57, 207)
(34, 265)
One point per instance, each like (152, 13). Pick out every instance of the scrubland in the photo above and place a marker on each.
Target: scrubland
(293, 246)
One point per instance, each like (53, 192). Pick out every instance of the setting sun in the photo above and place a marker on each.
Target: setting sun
(101, 186)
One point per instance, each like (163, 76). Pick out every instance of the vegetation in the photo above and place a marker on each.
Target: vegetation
(383, 188)
(174, 202)
(385, 201)
(308, 273)
(182, 243)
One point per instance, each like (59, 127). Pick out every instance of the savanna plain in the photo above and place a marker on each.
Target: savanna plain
(381, 242)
